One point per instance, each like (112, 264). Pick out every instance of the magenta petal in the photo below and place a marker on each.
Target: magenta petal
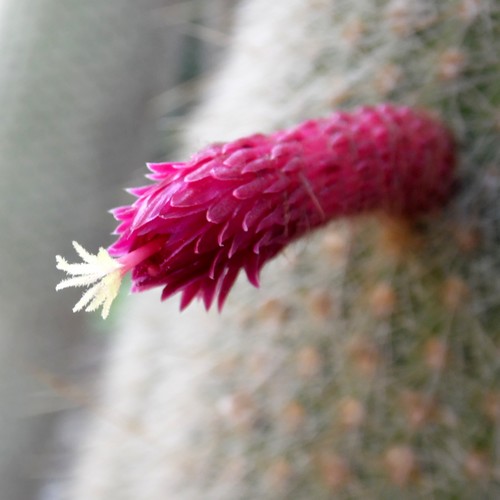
(215, 267)
(179, 165)
(278, 185)
(252, 269)
(256, 165)
(151, 205)
(226, 284)
(241, 157)
(188, 294)
(202, 172)
(256, 213)
(224, 233)
(265, 240)
(161, 168)
(254, 188)
(192, 196)
(277, 217)
(138, 191)
(286, 150)
(225, 173)
(239, 242)
(221, 210)
(208, 293)
(123, 213)
(179, 213)
(206, 242)
(293, 165)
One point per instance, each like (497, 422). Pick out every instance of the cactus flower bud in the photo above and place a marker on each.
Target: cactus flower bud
(236, 205)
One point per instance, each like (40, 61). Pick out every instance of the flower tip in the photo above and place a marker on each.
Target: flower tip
(100, 273)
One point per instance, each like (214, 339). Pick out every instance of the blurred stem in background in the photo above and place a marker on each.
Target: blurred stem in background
(79, 87)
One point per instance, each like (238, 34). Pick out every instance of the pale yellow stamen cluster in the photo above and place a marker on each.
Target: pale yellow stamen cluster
(100, 272)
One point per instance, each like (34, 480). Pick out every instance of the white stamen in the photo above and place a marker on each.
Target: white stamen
(100, 272)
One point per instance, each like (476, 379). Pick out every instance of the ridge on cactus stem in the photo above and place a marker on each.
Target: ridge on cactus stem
(236, 205)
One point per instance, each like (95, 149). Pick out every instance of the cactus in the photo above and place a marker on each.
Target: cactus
(367, 365)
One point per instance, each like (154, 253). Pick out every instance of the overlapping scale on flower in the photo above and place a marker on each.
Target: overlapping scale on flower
(234, 206)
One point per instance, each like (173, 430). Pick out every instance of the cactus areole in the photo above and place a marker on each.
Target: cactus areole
(236, 205)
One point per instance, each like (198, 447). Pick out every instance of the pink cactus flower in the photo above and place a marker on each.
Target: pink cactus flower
(236, 205)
